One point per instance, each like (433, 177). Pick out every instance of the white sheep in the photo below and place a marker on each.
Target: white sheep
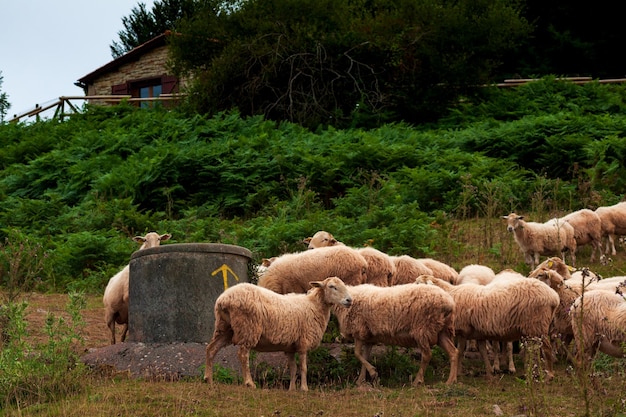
(115, 297)
(292, 272)
(598, 320)
(441, 269)
(613, 219)
(504, 310)
(321, 239)
(561, 323)
(535, 239)
(380, 267)
(483, 275)
(255, 318)
(587, 230)
(406, 315)
(265, 263)
(555, 263)
(475, 274)
(408, 269)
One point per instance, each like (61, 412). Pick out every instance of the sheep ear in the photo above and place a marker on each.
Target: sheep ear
(306, 240)
(165, 237)
(571, 268)
(316, 284)
(333, 241)
(139, 239)
(520, 217)
(505, 217)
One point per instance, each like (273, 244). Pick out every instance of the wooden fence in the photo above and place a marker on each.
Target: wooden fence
(64, 106)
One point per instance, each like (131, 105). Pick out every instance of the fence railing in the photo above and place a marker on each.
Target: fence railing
(64, 106)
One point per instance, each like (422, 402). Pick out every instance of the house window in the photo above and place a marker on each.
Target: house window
(147, 88)
(149, 91)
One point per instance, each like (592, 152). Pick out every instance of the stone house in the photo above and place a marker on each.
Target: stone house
(141, 73)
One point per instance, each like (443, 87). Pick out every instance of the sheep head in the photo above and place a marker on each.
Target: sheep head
(513, 221)
(151, 240)
(335, 291)
(321, 239)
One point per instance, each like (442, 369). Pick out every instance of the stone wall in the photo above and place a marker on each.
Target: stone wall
(151, 64)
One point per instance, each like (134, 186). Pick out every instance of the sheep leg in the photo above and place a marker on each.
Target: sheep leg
(509, 354)
(124, 332)
(426, 356)
(111, 326)
(610, 245)
(482, 348)
(303, 371)
(244, 360)
(446, 343)
(495, 348)
(358, 349)
(293, 374)
(546, 350)
(220, 339)
(461, 343)
(366, 351)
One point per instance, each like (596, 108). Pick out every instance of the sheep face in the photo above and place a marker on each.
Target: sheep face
(320, 239)
(335, 291)
(513, 221)
(151, 240)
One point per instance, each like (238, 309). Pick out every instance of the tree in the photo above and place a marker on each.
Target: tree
(4, 101)
(143, 25)
(326, 62)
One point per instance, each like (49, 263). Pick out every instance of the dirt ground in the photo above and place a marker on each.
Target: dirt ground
(161, 361)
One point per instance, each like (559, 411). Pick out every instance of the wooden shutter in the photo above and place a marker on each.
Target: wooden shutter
(169, 84)
(120, 89)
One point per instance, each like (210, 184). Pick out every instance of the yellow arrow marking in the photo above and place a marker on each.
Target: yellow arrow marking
(225, 270)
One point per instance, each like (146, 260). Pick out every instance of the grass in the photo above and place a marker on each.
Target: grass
(473, 395)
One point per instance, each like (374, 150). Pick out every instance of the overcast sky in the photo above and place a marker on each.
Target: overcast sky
(47, 45)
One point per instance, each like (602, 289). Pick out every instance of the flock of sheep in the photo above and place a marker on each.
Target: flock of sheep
(420, 303)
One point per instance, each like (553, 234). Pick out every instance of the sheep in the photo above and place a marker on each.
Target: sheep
(292, 272)
(428, 265)
(407, 269)
(115, 297)
(598, 320)
(406, 315)
(503, 310)
(476, 274)
(321, 239)
(255, 318)
(265, 263)
(483, 275)
(561, 323)
(441, 270)
(555, 263)
(380, 267)
(613, 220)
(587, 230)
(537, 239)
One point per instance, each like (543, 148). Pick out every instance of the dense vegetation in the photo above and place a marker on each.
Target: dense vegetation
(363, 63)
(74, 192)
